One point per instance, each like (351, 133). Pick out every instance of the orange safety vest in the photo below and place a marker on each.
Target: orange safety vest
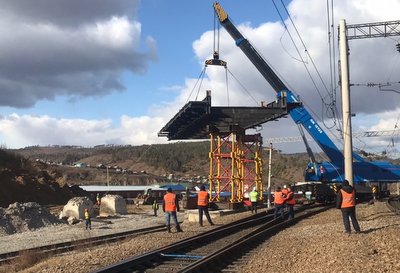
(290, 198)
(202, 198)
(278, 198)
(169, 200)
(348, 199)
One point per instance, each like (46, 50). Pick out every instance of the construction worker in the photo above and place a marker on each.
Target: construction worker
(346, 201)
(290, 202)
(98, 199)
(253, 199)
(279, 201)
(284, 194)
(284, 191)
(170, 207)
(155, 207)
(375, 192)
(202, 205)
(88, 222)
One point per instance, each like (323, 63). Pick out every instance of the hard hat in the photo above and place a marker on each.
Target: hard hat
(284, 186)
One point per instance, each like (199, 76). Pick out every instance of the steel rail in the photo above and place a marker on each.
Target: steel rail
(218, 260)
(161, 254)
(78, 244)
(180, 255)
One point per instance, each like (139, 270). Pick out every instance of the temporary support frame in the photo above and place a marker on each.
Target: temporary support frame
(235, 165)
(252, 163)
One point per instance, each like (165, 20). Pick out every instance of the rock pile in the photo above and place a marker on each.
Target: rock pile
(20, 217)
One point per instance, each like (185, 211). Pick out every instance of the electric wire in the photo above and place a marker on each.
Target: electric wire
(306, 68)
(330, 113)
(287, 51)
(305, 49)
(331, 107)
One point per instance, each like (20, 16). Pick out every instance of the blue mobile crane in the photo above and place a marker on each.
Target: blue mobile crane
(365, 172)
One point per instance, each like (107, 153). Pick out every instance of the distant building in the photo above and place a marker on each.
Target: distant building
(175, 188)
(80, 165)
(127, 192)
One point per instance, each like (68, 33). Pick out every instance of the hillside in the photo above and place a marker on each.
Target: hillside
(46, 174)
(24, 181)
(148, 163)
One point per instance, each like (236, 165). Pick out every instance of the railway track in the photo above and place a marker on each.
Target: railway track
(54, 249)
(393, 204)
(214, 250)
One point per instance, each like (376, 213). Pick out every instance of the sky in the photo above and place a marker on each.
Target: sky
(98, 72)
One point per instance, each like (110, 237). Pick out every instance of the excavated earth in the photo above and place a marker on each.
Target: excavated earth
(316, 244)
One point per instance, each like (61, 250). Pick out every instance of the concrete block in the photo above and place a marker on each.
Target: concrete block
(112, 205)
(193, 215)
(76, 207)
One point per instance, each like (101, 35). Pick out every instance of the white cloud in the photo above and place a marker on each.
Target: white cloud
(43, 56)
(368, 63)
(117, 32)
(19, 131)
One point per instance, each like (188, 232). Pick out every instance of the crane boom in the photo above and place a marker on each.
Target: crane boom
(249, 50)
(333, 171)
(300, 115)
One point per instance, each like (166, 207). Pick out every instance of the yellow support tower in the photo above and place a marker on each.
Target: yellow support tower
(235, 166)
(224, 175)
(252, 163)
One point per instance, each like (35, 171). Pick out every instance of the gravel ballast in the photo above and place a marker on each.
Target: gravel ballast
(317, 244)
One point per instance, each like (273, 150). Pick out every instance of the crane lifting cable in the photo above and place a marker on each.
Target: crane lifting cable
(215, 60)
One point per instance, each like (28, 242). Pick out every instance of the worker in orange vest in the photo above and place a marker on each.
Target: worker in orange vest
(170, 207)
(346, 202)
(290, 202)
(279, 201)
(202, 205)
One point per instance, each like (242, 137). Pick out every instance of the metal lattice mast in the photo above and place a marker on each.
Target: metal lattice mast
(373, 30)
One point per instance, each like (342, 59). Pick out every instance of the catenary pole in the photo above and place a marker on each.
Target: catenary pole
(346, 109)
(269, 177)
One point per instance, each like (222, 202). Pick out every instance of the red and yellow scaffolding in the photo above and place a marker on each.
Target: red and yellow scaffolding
(235, 166)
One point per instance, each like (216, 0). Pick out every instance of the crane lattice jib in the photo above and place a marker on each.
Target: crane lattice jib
(300, 115)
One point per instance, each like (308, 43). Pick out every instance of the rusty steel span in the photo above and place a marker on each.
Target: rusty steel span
(213, 250)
